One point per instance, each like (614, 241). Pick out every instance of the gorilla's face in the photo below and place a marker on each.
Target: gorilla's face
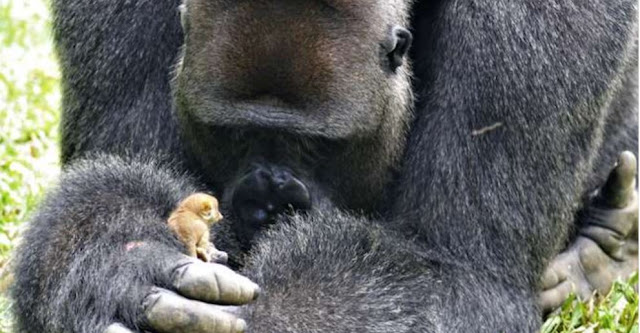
(286, 103)
(324, 68)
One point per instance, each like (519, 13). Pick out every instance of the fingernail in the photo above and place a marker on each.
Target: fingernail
(241, 325)
(626, 158)
(256, 292)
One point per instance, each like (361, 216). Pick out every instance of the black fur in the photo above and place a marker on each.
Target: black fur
(116, 58)
(515, 99)
(517, 102)
(332, 272)
(74, 271)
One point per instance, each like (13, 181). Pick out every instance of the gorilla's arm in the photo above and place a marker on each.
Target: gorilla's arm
(331, 272)
(116, 58)
(99, 251)
(514, 99)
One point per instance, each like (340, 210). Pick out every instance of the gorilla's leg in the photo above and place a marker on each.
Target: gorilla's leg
(606, 247)
(99, 251)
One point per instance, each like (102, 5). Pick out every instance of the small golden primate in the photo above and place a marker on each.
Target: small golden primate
(191, 222)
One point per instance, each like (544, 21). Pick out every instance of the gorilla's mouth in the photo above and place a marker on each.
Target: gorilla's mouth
(270, 116)
(335, 119)
(264, 112)
(267, 100)
(267, 108)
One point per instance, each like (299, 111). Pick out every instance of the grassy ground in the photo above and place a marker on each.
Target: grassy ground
(614, 313)
(29, 106)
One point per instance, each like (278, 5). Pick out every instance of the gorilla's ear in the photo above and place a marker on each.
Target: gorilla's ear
(397, 45)
(182, 9)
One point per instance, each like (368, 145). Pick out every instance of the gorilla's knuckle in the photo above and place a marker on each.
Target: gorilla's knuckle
(591, 257)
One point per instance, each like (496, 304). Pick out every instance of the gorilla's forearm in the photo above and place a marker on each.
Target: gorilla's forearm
(508, 129)
(99, 251)
(115, 58)
(509, 126)
(73, 257)
(332, 272)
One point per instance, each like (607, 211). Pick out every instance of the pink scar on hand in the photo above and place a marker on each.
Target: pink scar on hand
(133, 245)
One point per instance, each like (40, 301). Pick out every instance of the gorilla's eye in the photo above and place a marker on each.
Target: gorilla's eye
(397, 45)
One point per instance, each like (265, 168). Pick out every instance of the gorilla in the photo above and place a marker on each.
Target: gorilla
(354, 205)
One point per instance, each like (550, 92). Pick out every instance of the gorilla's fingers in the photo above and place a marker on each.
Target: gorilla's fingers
(117, 328)
(552, 299)
(613, 228)
(552, 277)
(619, 188)
(214, 283)
(167, 312)
(611, 219)
(609, 239)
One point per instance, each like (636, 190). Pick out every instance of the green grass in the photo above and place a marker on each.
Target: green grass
(616, 312)
(29, 104)
(29, 114)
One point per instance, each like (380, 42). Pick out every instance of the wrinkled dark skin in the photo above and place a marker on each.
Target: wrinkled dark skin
(199, 285)
(606, 247)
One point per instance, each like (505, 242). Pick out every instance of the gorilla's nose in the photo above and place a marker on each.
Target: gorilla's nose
(262, 194)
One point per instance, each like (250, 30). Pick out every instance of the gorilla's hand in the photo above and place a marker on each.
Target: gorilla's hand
(607, 244)
(101, 250)
(190, 308)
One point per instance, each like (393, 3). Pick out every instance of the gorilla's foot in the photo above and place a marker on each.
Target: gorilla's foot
(607, 244)
(262, 194)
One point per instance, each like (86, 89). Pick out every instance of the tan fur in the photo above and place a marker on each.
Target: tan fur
(191, 221)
